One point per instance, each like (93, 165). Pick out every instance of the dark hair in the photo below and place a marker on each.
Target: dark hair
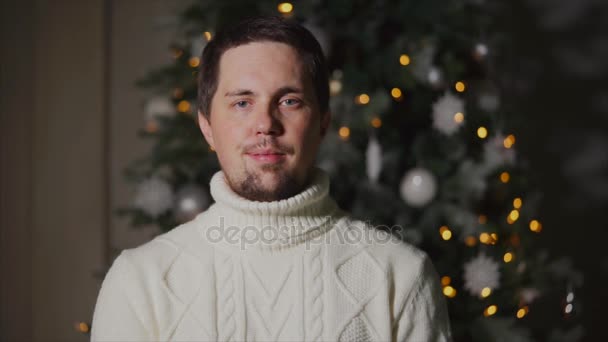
(256, 29)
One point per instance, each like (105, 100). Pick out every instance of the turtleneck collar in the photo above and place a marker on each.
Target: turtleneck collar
(274, 225)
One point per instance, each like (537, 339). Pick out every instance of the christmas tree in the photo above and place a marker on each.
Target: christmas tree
(419, 146)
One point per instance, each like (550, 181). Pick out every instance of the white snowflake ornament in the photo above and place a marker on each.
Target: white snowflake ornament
(373, 159)
(479, 273)
(154, 196)
(445, 109)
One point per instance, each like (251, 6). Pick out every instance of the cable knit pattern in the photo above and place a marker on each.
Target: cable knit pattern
(299, 269)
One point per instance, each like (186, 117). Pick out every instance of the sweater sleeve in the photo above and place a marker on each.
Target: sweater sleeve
(116, 317)
(424, 315)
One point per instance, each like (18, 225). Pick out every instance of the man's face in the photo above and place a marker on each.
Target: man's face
(265, 124)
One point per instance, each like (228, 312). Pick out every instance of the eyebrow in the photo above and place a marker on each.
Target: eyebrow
(282, 91)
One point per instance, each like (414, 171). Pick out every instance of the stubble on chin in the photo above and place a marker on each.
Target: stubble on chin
(252, 188)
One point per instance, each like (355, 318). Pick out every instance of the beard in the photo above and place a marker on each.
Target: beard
(252, 188)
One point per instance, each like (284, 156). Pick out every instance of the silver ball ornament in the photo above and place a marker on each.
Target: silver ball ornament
(190, 201)
(418, 187)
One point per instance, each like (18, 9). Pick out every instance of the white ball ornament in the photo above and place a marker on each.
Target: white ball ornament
(190, 200)
(154, 196)
(418, 187)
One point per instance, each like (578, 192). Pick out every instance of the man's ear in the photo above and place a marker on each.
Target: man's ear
(325, 121)
(205, 127)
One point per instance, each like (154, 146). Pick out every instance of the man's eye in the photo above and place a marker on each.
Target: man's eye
(291, 102)
(241, 104)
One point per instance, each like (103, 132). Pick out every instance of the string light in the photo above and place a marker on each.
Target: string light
(81, 327)
(535, 226)
(485, 292)
(178, 93)
(177, 53)
(522, 312)
(183, 106)
(376, 122)
(344, 132)
(194, 62)
(470, 241)
(207, 35)
(460, 86)
(509, 141)
(459, 117)
(449, 291)
(513, 216)
(517, 203)
(335, 87)
(404, 59)
(504, 177)
(445, 232)
(488, 239)
(482, 132)
(445, 280)
(285, 7)
(396, 93)
(483, 219)
(362, 99)
(490, 310)
(508, 257)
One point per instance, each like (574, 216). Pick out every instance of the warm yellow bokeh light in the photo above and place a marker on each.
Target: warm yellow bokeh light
(517, 203)
(490, 310)
(285, 7)
(504, 177)
(470, 241)
(376, 122)
(482, 132)
(459, 117)
(335, 87)
(207, 35)
(404, 59)
(535, 226)
(513, 216)
(509, 141)
(485, 292)
(177, 53)
(194, 62)
(183, 106)
(362, 99)
(484, 238)
(82, 327)
(344, 132)
(396, 93)
(522, 312)
(446, 234)
(460, 86)
(449, 291)
(493, 238)
(508, 257)
(445, 280)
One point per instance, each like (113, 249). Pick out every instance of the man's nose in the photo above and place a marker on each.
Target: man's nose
(267, 121)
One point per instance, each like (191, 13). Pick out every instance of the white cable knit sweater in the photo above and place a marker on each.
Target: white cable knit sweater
(293, 270)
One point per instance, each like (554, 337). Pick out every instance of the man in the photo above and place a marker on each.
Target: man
(274, 258)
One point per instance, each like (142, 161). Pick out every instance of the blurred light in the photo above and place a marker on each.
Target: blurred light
(211, 148)
(484, 238)
(194, 62)
(376, 122)
(493, 238)
(508, 257)
(183, 106)
(362, 99)
(509, 141)
(459, 117)
(445, 280)
(522, 312)
(396, 93)
(445, 232)
(335, 87)
(178, 93)
(404, 59)
(482, 132)
(535, 226)
(514, 239)
(177, 53)
(568, 308)
(207, 35)
(570, 297)
(517, 203)
(449, 291)
(82, 327)
(460, 87)
(513, 216)
(486, 292)
(344, 132)
(483, 219)
(151, 126)
(285, 7)
(490, 310)
(480, 51)
(470, 241)
(504, 177)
